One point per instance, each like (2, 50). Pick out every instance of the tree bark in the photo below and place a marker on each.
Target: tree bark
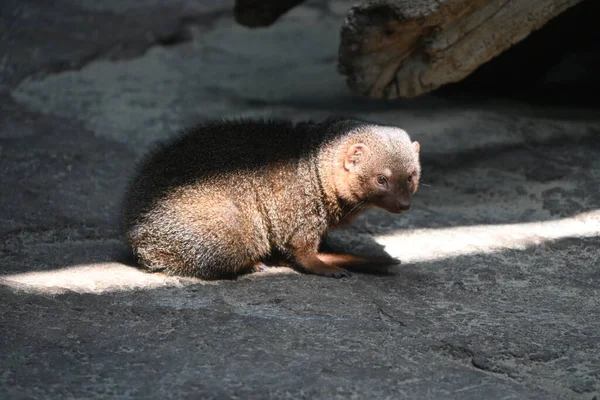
(405, 48)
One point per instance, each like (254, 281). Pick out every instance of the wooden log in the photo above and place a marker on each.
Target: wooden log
(405, 48)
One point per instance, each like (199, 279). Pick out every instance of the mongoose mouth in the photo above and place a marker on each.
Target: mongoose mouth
(396, 208)
(395, 204)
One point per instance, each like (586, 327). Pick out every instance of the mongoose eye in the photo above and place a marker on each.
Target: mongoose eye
(382, 180)
(410, 178)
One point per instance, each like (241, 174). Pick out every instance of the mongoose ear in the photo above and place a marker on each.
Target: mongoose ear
(416, 147)
(354, 155)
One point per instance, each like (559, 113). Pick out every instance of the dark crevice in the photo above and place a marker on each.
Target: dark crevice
(476, 360)
(488, 365)
(178, 37)
(485, 364)
(454, 351)
(262, 13)
(555, 65)
(389, 318)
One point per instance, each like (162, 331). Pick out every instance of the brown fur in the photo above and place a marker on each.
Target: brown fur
(224, 197)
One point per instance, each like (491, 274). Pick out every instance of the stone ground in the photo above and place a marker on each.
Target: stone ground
(498, 295)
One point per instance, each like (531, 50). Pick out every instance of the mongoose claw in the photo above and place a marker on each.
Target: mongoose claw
(259, 267)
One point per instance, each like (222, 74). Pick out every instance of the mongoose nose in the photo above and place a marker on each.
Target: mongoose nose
(404, 205)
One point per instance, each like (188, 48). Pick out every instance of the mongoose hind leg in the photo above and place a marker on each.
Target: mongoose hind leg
(304, 250)
(152, 254)
(190, 251)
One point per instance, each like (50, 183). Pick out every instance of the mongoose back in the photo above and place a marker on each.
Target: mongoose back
(223, 198)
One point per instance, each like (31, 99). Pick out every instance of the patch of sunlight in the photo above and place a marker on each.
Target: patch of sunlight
(410, 246)
(420, 245)
(89, 278)
(105, 277)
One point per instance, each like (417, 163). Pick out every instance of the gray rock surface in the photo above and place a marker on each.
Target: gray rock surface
(498, 295)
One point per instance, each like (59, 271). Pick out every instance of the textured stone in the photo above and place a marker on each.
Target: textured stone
(42, 37)
(497, 296)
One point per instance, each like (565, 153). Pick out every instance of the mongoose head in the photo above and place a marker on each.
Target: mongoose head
(381, 168)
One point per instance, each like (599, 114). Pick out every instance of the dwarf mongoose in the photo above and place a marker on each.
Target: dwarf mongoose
(222, 198)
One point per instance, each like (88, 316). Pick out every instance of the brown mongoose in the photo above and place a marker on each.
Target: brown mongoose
(224, 197)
